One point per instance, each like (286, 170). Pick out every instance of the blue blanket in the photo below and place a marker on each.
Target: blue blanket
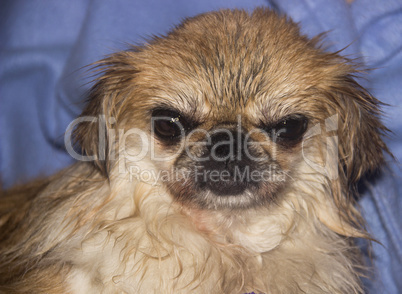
(45, 43)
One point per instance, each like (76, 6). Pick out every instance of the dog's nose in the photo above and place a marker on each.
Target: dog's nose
(226, 170)
(225, 146)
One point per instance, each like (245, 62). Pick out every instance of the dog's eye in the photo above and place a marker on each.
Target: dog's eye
(168, 125)
(290, 129)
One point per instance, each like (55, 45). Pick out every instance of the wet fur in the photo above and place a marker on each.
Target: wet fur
(93, 229)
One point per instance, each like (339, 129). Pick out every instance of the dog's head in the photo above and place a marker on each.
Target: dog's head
(233, 110)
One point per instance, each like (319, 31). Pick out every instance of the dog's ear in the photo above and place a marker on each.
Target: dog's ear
(102, 113)
(361, 145)
(360, 130)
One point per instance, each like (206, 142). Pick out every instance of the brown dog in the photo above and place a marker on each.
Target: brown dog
(221, 158)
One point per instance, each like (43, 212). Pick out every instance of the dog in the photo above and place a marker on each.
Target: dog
(220, 158)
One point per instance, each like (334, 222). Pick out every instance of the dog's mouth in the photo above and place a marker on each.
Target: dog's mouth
(231, 181)
(226, 172)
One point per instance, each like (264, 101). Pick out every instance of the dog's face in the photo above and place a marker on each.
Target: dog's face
(232, 110)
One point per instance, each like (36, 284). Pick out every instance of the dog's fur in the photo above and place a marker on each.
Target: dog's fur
(97, 228)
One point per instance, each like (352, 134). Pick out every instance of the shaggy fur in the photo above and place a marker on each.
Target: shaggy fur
(98, 227)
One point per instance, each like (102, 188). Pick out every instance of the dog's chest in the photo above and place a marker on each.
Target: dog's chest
(129, 258)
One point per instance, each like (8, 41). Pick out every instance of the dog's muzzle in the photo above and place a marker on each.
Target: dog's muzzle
(226, 164)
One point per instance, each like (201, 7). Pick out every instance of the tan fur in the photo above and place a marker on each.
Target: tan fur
(95, 228)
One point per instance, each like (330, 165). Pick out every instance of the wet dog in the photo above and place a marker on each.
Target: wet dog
(220, 158)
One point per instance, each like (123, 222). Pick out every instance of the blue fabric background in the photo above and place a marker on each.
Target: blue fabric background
(45, 43)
